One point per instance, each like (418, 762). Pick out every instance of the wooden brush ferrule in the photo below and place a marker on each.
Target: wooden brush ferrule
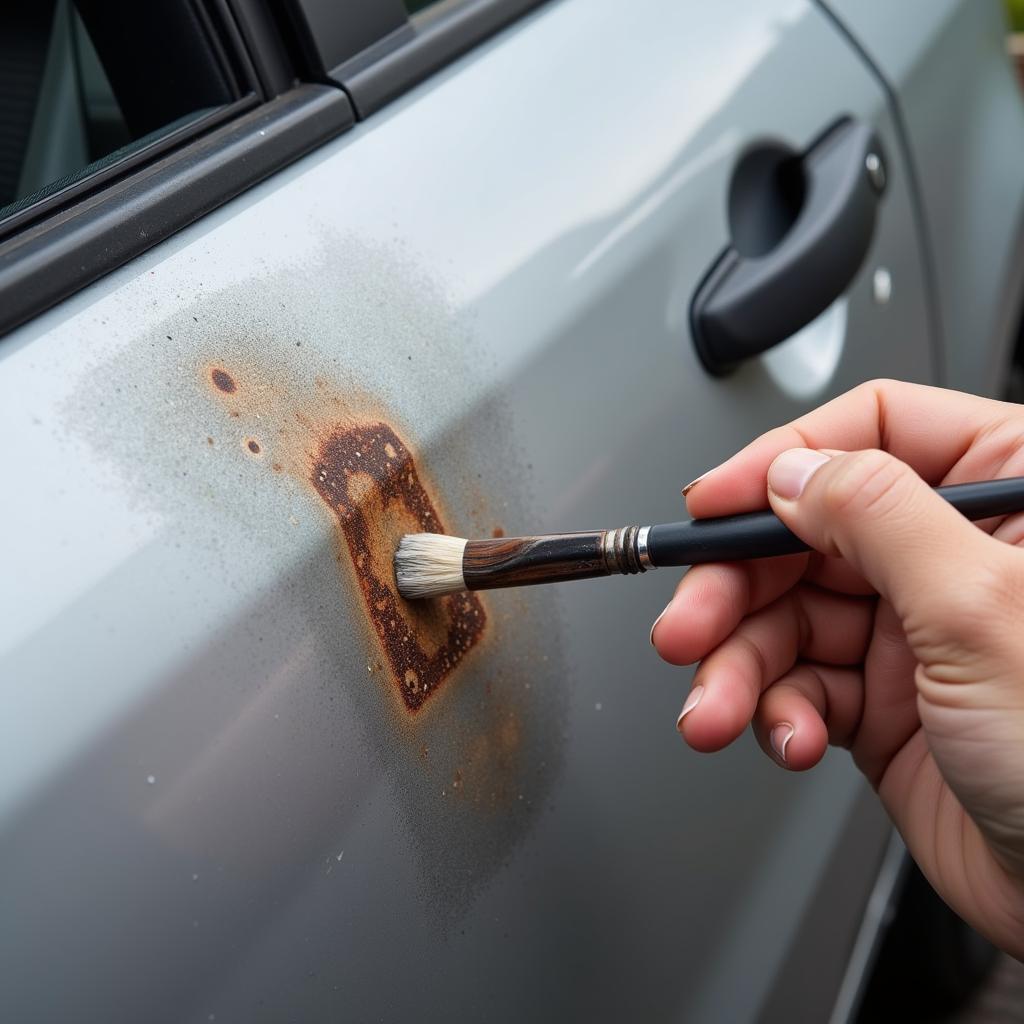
(520, 561)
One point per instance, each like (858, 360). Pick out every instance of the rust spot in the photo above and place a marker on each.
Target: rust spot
(276, 467)
(209, 440)
(253, 446)
(223, 381)
(498, 531)
(367, 477)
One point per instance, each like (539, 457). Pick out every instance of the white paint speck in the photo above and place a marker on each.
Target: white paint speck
(195, 877)
(340, 855)
(598, 706)
(151, 779)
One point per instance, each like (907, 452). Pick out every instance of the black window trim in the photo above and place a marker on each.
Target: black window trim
(439, 35)
(58, 256)
(68, 240)
(134, 160)
(376, 52)
(54, 247)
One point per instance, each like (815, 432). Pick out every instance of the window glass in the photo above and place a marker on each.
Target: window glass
(60, 115)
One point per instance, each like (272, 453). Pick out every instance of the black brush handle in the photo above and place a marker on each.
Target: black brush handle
(763, 534)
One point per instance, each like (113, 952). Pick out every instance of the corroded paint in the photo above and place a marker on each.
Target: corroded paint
(461, 781)
(222, 381)
(367, 477)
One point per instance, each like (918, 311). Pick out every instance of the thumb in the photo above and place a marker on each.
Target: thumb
(949, 582)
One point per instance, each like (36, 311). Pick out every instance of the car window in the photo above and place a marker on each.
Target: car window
(73, 99)
(121, 122)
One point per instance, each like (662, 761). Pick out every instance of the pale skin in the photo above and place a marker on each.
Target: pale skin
(900, 637)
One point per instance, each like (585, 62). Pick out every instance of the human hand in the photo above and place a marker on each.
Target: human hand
(900, 637)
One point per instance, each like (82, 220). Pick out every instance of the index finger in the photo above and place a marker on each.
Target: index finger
(928, 428)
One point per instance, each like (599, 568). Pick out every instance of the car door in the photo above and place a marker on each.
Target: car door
(240, 778)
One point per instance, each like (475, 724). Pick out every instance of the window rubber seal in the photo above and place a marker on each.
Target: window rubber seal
(50, 260)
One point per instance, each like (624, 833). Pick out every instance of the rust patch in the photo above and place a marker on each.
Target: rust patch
(366, 476)
(223, 381)
(470, 771)
(498, 531)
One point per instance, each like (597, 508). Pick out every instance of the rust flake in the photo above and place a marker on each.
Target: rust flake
(223, 381)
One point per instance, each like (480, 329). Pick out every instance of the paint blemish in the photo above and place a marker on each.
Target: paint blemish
(223, 381)
(458, 727)
(366, 476)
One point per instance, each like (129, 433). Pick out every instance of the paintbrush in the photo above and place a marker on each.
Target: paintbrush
(431, 564)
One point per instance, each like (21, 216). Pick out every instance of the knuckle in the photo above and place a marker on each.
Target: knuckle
(878, 384)
(864, 482)
(998, 449)
(878, 390)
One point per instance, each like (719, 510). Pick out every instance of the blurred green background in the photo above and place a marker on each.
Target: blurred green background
(1016, 9)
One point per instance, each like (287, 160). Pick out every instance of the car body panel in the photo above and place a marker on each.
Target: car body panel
(961, 105)
(216, 797)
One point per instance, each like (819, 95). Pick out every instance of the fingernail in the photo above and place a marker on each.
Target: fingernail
(693, 483)
(691, 702)
(657, 620)
(696, 480)
(789, 473)
(779, 738)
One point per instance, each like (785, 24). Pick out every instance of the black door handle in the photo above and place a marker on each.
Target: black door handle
(801, 227)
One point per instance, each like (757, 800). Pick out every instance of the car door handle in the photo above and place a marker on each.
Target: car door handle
(801, 227)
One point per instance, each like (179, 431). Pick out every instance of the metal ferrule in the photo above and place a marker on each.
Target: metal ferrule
(642, 554)
(621, 553)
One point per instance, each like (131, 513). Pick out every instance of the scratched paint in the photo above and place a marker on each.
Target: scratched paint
(232, 424)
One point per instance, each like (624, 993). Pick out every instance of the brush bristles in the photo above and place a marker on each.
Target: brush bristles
(429, 564)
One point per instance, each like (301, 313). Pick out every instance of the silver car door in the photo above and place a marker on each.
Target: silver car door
(240, 778)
